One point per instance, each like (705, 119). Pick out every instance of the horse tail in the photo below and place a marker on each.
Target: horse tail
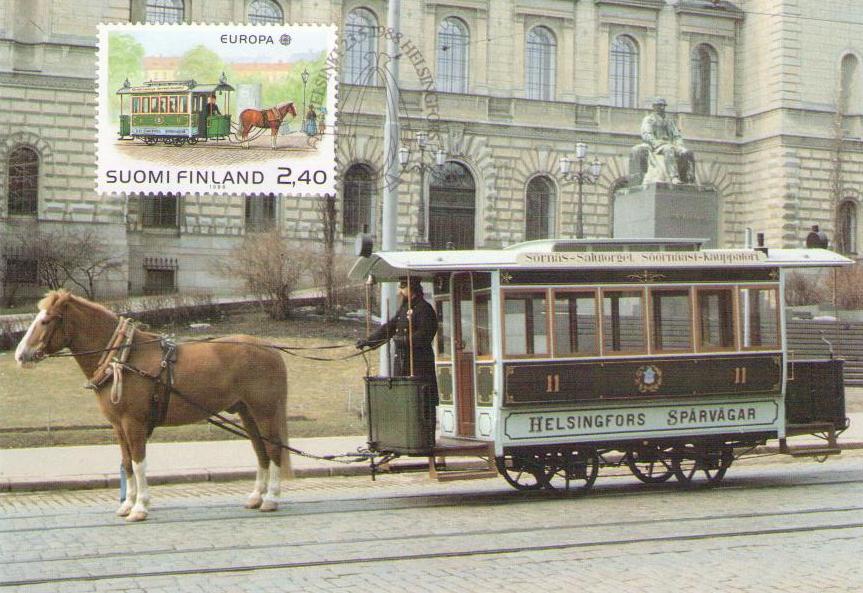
(287, 471)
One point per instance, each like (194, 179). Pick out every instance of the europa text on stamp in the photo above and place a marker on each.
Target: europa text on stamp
(216, 109)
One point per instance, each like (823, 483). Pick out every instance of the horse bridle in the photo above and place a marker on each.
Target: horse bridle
(52, 318)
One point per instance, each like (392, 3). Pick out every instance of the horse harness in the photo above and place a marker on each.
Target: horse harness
(271, 114)
(113, 362)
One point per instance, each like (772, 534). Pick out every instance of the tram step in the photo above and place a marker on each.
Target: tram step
(452, 475)
(813, 451)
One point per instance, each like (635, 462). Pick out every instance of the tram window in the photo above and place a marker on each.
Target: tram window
(465, 308)
(575, 324)
(623, 321)
(526, 324)
(716, 319)
(483, 325)
(172, 104)
(759, 317)
(163, 104)
(135, 104)
(444, 332)
(184, 105)
(145, 105)
(672, 320)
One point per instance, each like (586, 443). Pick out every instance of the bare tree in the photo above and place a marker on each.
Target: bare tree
(88, 260)
(56, 259)
(270, 269)
(325, 271)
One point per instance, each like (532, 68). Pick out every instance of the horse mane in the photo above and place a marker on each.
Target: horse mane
(58, 297)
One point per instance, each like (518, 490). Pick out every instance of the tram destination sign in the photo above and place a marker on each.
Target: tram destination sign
(618, 421)
(628, 259)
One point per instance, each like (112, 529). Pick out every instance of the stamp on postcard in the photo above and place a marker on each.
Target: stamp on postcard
(216, 109)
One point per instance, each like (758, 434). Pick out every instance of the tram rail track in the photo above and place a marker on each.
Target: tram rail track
(385, 558)
(419, 501)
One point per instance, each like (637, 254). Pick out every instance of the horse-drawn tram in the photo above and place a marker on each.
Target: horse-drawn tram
(175, 111)
(554, 358)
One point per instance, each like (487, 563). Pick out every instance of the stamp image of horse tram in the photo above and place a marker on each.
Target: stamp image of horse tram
(175, 112)
(555, 358)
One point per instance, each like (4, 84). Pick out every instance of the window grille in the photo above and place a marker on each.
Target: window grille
(260, 213)
(159, 210)
(360, 53)
(262, 12)
(452, 56)
(358, 197)
(704, 80)
(624, 72)
(23, 178)
(541, 63)
(165, 11)
(538, 205)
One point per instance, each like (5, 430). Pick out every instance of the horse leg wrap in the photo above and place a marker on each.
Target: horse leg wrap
(255, 498)
(142, 499)
(274, 489)
(131, 493)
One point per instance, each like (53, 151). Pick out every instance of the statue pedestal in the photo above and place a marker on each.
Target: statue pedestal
(662, 210)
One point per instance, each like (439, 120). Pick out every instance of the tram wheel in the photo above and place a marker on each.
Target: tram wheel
(572, 470)
(193, 140)
(149, 141)
(650, 465)
(698, 467)
(522, 472)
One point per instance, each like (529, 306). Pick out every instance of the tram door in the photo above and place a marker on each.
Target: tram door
(463, 354)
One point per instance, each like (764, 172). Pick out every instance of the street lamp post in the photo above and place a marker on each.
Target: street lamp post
(591, 176)
(305, 78)
(421, 166)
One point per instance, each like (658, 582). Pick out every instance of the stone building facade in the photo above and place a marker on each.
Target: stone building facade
(768, 94)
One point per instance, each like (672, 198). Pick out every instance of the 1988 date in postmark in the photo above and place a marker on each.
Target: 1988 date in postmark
(216, 109)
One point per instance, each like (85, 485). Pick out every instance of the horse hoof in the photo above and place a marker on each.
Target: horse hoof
(124, 511)
(136, 516)
(268, 506)
(254, 503)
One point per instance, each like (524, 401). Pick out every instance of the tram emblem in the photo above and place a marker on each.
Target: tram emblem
(648, 378)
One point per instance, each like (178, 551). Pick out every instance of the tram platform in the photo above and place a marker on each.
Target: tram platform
(98, 466)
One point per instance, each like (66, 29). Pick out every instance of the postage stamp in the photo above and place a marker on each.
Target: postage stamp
(216, 109)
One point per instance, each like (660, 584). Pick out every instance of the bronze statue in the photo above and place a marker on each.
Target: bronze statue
(662, 157)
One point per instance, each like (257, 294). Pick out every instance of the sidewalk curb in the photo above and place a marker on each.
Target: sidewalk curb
(104, 481)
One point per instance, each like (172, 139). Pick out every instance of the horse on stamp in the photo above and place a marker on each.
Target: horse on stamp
(267, 118)
(235, 373)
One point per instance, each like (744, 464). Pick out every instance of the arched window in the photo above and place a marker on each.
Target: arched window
(846, 231)
(452, 56)
(452, 207)
(539, 209)
(262, 12)
(540, 63)
(23, 176)
(360, 47)
(165, 11)
(623, 72)
(704, 76)
(358, 200)
(849, 93)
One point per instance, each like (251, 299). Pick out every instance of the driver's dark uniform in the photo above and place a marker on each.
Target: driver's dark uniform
(424, 325)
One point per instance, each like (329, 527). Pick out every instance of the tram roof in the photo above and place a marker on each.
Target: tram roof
(589, 254)
(173, 86)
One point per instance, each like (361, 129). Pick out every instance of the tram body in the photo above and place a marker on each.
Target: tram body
(172, 112)
(556, 353)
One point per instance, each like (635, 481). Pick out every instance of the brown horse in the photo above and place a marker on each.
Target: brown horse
(236, 373)
(270, 118)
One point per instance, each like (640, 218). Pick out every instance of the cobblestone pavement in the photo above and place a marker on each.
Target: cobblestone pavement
(219, 153)
(775, 525)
